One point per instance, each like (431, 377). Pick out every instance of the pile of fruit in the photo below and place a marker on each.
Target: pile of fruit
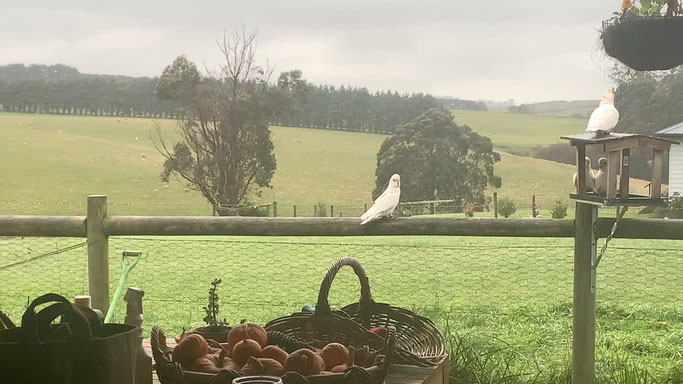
(247, 352)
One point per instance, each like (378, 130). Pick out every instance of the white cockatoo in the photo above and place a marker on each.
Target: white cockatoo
(605, 117)
(590, 178)
(601, 177)
(386, 202)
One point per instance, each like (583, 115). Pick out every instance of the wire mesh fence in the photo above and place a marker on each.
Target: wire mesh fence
(268, 277)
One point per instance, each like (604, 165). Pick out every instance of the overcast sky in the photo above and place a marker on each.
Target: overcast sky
(527, 50)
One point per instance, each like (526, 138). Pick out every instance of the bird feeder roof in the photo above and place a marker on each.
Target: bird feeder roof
(616, 141)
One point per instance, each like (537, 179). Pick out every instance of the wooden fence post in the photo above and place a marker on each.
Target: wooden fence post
(294, 210)
(495, 205)
(315, 210)
(365, 206)
(331, 210)
(274, 209)
(98, 253)
(583, 338)
(431, 208)
(533, 206)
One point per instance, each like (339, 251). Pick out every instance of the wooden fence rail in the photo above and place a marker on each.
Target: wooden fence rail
(75, 226)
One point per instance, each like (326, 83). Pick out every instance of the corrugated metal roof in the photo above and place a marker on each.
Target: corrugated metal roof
(674, 130)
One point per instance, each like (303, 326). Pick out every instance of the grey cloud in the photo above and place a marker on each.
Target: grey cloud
(527, 50)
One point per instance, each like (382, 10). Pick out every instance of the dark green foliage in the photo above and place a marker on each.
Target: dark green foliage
(559, 210)
(506, 207)
(437, 159)
(648, 103)
(211, 318)
(356, 109)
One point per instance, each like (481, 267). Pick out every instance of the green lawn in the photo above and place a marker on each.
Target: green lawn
(512, 297)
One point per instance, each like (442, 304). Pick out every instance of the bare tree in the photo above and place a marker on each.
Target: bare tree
(225, 151)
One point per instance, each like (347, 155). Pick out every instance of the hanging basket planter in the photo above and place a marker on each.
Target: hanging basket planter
(645, 43)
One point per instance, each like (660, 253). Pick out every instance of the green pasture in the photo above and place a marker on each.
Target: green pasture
(562, 108)
(50, 164)
(519, 132)
(508, 298)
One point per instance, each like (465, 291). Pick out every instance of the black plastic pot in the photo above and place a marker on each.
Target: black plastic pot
(218, 333)
(646, 43)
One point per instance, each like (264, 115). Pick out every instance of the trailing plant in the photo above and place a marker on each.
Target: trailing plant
(648, 8)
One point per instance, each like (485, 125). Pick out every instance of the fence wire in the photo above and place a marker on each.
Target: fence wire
(264, 278)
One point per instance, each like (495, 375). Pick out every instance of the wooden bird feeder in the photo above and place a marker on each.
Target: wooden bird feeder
(618, 147)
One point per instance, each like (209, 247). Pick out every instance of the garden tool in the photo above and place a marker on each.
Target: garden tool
(125, 270)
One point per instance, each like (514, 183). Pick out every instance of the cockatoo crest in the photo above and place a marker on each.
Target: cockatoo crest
(605, 117)
(386, 202)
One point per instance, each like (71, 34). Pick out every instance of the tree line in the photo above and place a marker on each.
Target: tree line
(60, 89)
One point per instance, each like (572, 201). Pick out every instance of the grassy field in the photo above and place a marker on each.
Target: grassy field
(508, 299)
(562, 108)
(519, 132)
(50, 164)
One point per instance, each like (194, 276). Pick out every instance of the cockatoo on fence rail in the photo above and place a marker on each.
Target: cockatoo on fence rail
(590, 178)
(386, 202)
(605, 117)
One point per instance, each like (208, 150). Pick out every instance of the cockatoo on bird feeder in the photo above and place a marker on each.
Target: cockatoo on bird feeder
(605, 117)
(590, 178)
(601, 177)
(386, 202)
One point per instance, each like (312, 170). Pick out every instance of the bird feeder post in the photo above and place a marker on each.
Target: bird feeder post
(583, 330)
(613, 162)
(625, 172)
(495, 205)
(656, 185)
(581, 164)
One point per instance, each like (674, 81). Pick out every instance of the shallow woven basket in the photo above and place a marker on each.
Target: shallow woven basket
(169, 372)
(418, 341)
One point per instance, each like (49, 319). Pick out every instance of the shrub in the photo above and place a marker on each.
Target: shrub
(559, 210)
(506, 207)
(469, 209)
(321, 210)
(674, 210)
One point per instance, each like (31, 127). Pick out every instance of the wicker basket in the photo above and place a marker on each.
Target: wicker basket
(172, 373)
(418, 341)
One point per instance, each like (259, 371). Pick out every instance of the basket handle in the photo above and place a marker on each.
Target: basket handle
(323, 306)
